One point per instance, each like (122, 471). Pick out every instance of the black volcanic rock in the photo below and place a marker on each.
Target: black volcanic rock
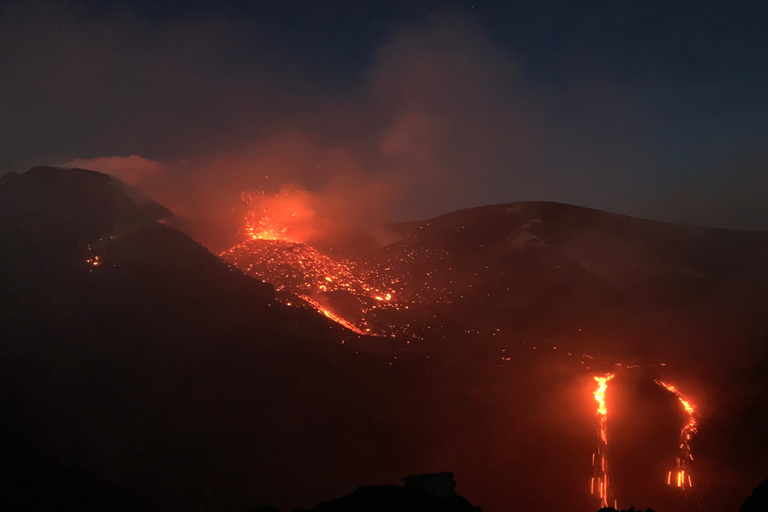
(758, 500)
(421, 493)
(631, 509)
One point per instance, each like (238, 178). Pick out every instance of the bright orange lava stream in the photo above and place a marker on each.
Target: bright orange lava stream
(333, 316)
(681, 477)
(599, 483)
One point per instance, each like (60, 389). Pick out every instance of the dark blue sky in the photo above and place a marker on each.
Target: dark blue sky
(657, 109)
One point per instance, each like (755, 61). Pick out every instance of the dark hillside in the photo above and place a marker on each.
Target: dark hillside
(131, 353)
(630, 289)
(138, 370)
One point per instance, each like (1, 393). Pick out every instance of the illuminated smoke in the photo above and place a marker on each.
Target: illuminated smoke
(681, 476)
(599, 483)
(287, 215)
(276, 226)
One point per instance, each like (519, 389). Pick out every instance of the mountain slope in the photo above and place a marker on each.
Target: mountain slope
(131, 352)
(628, 288)
(138, 369)
(554, 294)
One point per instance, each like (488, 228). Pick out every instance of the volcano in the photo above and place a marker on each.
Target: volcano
(628, 289)
(142, 372)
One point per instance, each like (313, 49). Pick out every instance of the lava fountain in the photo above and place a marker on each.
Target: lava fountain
(286, 215)
(599, 483)
(681, 476)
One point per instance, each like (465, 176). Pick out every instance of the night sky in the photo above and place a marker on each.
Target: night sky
(396, 110)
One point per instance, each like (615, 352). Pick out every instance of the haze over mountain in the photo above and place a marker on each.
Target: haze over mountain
(630, 289)
(137, 358)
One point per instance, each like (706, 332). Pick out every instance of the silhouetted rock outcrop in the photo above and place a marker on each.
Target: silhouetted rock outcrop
(421, 493)
(630, 509)
(758, 500)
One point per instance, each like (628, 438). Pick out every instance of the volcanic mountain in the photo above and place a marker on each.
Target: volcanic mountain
(628, 289)
(132, 358)
(142, 372)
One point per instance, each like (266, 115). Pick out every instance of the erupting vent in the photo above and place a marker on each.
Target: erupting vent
(345, 291)
(283, 216)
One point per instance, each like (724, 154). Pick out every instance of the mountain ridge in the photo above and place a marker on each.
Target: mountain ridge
(160, 369)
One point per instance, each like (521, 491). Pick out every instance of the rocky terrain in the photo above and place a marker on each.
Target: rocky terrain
(138, 371)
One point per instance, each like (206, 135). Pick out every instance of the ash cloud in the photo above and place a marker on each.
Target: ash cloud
(195, 111)
(434, 125)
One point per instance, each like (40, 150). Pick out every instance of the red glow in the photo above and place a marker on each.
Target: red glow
(287, 215)
(683, 477)
(276, 226)
(599, 482)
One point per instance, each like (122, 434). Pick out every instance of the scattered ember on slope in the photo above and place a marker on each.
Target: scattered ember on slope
(303, 271)
(383, 288)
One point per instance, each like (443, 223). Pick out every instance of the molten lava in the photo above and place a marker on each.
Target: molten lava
(303, 271)
(286, 215)
(599, 483)
(373, 297)
(342, 290)
(681, 476)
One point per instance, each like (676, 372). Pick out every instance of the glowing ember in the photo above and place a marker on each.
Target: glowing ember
(303, 271)
(599, 483)
(276, 226)
(286, 215)
(681, 476)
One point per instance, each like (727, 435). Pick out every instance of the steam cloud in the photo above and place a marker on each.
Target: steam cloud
(196, 111)
(424, 134)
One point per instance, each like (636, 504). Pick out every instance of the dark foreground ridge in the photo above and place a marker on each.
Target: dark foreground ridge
(758, 500)
(630, 509)
(131, 359)
(421, 493)
(436, 492)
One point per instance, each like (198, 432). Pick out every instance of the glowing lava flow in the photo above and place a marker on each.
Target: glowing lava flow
(599, 484)
(276, 226)
(682, 476)
(333, 316)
